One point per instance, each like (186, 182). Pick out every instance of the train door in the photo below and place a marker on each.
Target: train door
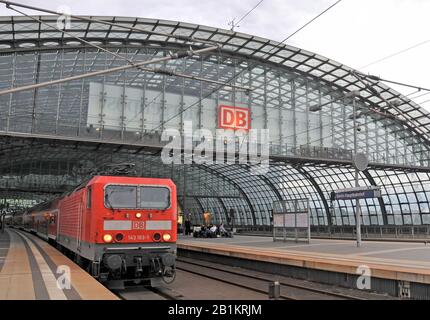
(84, 216)
(80, 220)
(87, 210)
(53, 225)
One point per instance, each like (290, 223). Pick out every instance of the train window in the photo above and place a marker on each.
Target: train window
(89, 197)
(154, 197)
(120, 196)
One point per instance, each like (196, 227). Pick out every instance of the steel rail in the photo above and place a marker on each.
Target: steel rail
(230, 282)
(296, 286)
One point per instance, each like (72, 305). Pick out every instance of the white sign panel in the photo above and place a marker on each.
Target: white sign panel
(302, 220)
(117, 225)
(143, 109)
(290, 221)
(278, 220)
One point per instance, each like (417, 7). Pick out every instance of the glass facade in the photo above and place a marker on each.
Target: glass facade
(133, 107)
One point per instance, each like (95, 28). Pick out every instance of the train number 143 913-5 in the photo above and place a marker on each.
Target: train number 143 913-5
(136, 237)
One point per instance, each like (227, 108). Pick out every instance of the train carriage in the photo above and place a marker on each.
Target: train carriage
(121, 229)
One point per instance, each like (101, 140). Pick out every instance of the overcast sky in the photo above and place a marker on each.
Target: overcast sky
(354, 32)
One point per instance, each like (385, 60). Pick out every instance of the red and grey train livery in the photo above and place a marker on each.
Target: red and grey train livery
(121, 229)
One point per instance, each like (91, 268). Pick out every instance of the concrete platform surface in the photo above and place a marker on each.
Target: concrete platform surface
(391, 260)
(31, 269)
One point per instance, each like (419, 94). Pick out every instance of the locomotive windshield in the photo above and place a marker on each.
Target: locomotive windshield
(121, 197)
(154, 197)
(137, 197)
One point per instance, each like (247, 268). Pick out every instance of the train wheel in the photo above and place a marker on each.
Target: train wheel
(169, 275)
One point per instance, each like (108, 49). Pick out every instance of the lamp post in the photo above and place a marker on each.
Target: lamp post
(314, 108)
(357, 201)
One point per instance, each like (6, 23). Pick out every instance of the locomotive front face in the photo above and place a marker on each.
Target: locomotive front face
(135, 229)
(138, 213)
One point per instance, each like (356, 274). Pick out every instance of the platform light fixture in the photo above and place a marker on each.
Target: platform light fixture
(315, 108)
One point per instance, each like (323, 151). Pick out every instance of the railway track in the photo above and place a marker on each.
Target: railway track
(258, 282)
(147, 293)
(225, 279)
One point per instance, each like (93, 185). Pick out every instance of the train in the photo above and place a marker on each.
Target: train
(122, 230)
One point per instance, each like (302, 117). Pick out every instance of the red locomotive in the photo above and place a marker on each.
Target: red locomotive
(121, 229)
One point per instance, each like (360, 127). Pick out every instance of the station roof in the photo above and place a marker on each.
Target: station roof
(19, 33)
(60, 163)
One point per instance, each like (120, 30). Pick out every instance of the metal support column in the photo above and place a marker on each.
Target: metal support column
(357, 201)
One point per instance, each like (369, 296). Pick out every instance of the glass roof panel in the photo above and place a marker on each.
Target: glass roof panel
(202, 34)
(5, 27)
(237, 41)
(24, 36)
(75, 25)
(96, 34)
(6, 36)
(338, 77)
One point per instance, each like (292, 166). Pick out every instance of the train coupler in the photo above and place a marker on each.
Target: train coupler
(139, 265)
(157, 266)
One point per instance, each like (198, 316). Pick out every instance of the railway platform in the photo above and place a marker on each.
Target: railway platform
(31, 269)
(396, 268)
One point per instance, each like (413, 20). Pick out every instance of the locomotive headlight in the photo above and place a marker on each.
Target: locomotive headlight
(138, 215)
(107, 238)
(166, 237)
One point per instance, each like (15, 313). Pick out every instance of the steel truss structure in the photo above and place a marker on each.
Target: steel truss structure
(53, 136)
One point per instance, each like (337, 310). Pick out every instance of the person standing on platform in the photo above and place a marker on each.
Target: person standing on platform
(188, 225)
(207, 218)
(231, 219)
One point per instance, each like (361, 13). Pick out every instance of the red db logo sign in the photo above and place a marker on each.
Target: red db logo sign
(235, 118)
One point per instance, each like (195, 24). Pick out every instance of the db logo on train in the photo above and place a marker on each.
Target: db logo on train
(235, 118)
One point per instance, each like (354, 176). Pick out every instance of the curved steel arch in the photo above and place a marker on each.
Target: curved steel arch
(270, 184)
(199, 203)
(246, 198)
(308, 176)
(223, 207)
(295, 62)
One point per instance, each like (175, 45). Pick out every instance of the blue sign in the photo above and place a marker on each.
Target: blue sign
(358, 193)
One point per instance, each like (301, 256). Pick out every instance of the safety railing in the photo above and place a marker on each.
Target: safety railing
(348, 232)
(153, 138)
(382, 232)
